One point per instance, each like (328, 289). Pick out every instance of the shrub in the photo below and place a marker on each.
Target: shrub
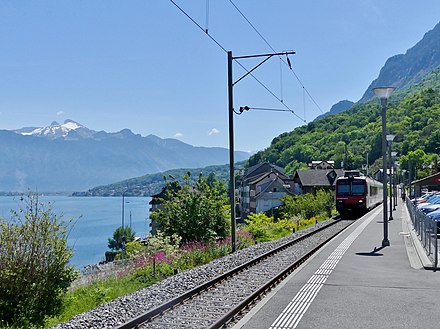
(197, 213)
(308, 205)
(34, 270)
(326, 202)
(264, 228)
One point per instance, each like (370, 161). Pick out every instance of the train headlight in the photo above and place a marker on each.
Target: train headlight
(361, 201)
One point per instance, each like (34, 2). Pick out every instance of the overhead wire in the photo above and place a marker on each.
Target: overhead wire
(242, 66)
(270, 46)
(272, 93)
(198, 25)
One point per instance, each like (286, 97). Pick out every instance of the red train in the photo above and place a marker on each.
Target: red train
(356, 193)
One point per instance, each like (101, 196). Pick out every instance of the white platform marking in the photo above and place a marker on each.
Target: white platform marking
(295, 310)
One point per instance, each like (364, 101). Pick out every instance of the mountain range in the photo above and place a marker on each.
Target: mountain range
(403, 70)
(71, 157)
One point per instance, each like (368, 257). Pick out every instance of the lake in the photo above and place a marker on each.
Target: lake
(94, 221)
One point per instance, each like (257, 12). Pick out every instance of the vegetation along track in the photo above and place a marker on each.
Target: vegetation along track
(214, 303)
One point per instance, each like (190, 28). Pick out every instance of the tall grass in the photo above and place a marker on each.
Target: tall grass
(144, 270)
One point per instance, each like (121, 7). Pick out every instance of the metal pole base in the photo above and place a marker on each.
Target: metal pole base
(391, 218)
(385, 243)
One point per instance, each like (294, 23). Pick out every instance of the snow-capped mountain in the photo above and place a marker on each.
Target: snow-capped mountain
(68, 130)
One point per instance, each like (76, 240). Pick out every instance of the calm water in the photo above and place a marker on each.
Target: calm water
(95, 220)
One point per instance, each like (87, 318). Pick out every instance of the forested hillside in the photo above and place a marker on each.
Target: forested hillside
(151, 184)
(413, 116)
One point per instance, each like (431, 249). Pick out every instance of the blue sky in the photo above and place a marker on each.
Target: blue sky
(145, 66)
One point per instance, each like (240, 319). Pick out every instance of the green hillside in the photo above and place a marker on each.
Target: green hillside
(151, 184)
(413, 116)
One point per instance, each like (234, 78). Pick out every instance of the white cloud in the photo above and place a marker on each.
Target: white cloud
(60, 113)
(214, 131)
(178, 135)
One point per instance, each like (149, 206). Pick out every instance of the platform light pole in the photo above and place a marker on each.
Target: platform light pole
(393, 163)
(384, 93)
(390, 139)
(231, 84)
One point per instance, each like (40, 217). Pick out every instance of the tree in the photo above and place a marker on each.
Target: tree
(420, 163)
(115, 243)
(194, 213)
(34, 270)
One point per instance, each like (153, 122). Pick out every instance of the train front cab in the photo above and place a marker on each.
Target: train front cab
(351, 195)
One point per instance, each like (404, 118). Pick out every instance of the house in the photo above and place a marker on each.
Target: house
(271, 194)
(262, 187)
(309, 180)
(322, 165)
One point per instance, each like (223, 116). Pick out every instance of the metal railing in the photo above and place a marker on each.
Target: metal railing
(426, 229)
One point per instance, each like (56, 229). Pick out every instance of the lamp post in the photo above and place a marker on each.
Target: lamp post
(384, 93)
(123, 224)
(409, 177)
(393, 163)
(390, 139)
(367, 163)
(123, 212)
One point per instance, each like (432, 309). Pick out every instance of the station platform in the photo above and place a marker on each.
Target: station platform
(352, 282)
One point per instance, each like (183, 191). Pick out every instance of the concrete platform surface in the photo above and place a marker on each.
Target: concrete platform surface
(355, 283)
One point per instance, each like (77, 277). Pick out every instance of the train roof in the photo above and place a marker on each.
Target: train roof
(368, 179)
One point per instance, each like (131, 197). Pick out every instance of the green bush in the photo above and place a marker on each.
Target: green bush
(303, 207)
(264, 228)
(197, 213)
(325, 201)
(34, 259)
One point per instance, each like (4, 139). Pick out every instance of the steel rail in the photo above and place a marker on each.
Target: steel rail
(149, 315)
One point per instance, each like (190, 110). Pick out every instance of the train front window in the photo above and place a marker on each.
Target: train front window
(343, 188)
(357, 188)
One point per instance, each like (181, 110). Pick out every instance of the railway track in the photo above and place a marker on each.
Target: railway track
(215, 303)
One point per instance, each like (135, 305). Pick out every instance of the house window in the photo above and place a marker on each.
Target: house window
(275, 189)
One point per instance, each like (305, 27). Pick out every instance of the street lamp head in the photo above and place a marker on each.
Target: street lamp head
(383, 92)
(390, 138)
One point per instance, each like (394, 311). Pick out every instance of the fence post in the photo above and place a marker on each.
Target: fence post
(435, 247)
